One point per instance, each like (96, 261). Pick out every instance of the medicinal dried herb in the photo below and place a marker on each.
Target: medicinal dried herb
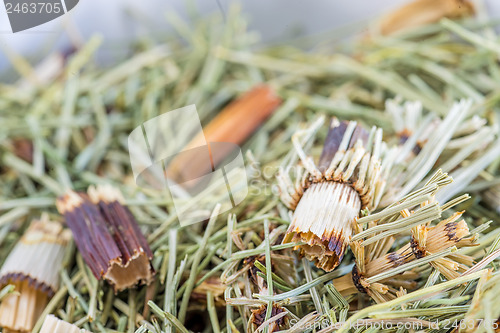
(33, 269)
(108, 237)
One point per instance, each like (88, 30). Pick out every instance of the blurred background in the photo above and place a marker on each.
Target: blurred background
(123, 21)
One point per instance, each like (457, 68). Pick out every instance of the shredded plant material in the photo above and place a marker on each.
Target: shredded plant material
(107, 236)
(32, 268)
(373, 182)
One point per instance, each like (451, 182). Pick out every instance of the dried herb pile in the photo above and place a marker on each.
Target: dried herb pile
(232, 273)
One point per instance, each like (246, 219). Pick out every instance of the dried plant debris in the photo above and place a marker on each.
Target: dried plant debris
(329, 197)
(357, 171)
(421, 12)
(446, 234)
(247, 114)
(492, 198)
(456, 144)
(277, 322)
(411, 247)
(215, 287)
(108, 237)
(52, 324)
(274, 316)
(33, 269)
(483, 315)
(20, 311)
(382, 274)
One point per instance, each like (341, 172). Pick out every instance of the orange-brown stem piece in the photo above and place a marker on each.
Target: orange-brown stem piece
(234, 124)
(422, 12)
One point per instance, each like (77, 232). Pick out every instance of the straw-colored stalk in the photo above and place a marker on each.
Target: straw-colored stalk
(52, 324)
(33, 268)
(107, 236)
(328, 198)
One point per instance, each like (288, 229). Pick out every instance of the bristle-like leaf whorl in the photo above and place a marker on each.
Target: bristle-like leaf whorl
(447, 233)
(328, 199)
